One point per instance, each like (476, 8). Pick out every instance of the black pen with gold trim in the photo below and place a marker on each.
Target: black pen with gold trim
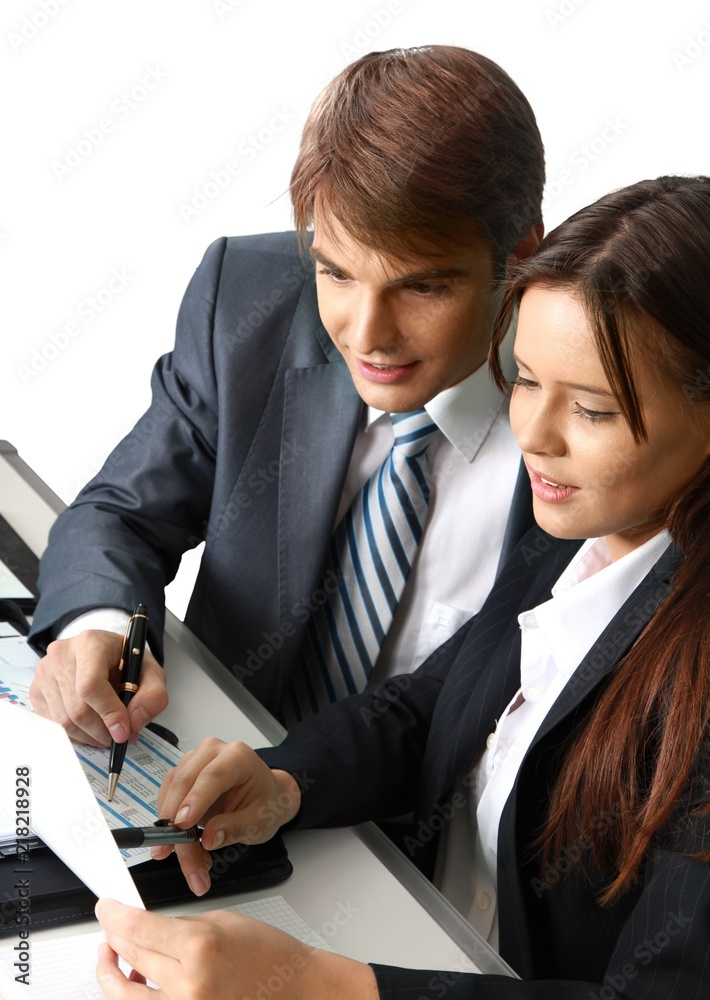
(129, 673)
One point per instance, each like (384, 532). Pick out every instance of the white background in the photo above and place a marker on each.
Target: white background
(619, 88)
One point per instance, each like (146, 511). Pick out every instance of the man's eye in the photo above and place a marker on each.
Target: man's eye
(335, 275)
(425, 288)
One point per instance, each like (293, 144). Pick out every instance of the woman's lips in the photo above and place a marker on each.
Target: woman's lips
(385, 373)
(547, 489)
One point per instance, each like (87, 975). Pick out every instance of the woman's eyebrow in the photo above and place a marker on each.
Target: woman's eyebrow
(595, 390)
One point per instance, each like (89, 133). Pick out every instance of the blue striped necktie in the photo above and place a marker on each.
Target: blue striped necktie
(371, 553)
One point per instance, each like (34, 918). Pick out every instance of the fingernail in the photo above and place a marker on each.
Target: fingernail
(199, 882)
(139, 718)
(118, 733)
(218, 840)
(158, 853)
(182, 815)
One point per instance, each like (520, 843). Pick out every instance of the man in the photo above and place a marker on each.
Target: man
(421, 172)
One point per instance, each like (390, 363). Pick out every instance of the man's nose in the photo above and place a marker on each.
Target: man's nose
(372, 326)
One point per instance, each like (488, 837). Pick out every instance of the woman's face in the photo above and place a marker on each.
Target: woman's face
(589, 477)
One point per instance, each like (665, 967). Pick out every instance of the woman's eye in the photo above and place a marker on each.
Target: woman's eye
(525, 383)
(593, 415)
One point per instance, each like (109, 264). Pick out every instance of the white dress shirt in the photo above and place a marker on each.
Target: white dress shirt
(473, 464)
(555, 638)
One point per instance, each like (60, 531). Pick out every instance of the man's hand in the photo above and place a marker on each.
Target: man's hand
(228, 790)
(218, 955)
(75, 684)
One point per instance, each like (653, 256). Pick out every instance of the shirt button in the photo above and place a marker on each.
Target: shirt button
(484, 900)
(491, 741)
(529, 620)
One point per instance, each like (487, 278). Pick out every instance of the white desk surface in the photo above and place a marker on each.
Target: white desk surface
(394, 915)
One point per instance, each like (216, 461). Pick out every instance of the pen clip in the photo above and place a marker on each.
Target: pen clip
(124, 645)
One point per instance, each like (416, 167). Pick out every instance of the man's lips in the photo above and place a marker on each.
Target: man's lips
(548, 489)
(385, 373)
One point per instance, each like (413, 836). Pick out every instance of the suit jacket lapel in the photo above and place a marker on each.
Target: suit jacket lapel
(612, 645)
(520, 516)
(486, 672)
(321, 416)
(616, 639)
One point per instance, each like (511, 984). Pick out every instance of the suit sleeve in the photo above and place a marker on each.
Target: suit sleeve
(336, 757)
(122, 539)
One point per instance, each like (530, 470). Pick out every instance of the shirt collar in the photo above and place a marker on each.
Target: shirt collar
(465, 412)
(587, 595)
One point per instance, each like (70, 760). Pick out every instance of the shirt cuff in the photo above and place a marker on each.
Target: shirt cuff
(107, 619)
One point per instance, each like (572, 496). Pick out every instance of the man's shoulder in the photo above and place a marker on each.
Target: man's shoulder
(285, 244)
(287, 241)
(275, 262)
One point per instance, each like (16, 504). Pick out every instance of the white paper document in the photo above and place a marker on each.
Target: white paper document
(135, 802)
(15, 653)
(65, 968)
(146, 764)
(63, 810)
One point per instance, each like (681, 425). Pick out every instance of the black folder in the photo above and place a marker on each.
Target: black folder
(55, 895)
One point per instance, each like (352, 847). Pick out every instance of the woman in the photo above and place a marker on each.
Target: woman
(589, 806)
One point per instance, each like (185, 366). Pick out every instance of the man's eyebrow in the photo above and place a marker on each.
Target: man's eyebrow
(423, 275)
(595, 390)
(319, 258)
(432, 274)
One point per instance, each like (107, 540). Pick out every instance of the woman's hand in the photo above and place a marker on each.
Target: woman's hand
(229, 791)
(220, 955)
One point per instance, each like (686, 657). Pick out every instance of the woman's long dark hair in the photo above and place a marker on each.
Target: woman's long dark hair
(639, 259)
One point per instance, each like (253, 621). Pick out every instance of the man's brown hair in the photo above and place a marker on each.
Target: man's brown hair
(419, 150)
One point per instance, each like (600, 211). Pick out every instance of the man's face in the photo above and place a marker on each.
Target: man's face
(406, 329)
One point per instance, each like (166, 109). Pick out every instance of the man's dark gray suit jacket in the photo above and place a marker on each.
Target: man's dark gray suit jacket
(246, 444)
(403, 746)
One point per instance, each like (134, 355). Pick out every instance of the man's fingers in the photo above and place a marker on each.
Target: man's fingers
(92, 702)
(93, 707)
(72, 685)
(97, 655)
(50, 704)
(152, 696)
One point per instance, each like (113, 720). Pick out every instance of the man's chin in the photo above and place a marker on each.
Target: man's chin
(397, 397)
(391, 400)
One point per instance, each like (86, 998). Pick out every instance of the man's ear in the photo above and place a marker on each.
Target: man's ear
(530, 242)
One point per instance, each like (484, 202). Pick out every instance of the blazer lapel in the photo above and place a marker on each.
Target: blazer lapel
(616, 639)
(520, 516)
(322, 411)
(610, 647)
(486, 672)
